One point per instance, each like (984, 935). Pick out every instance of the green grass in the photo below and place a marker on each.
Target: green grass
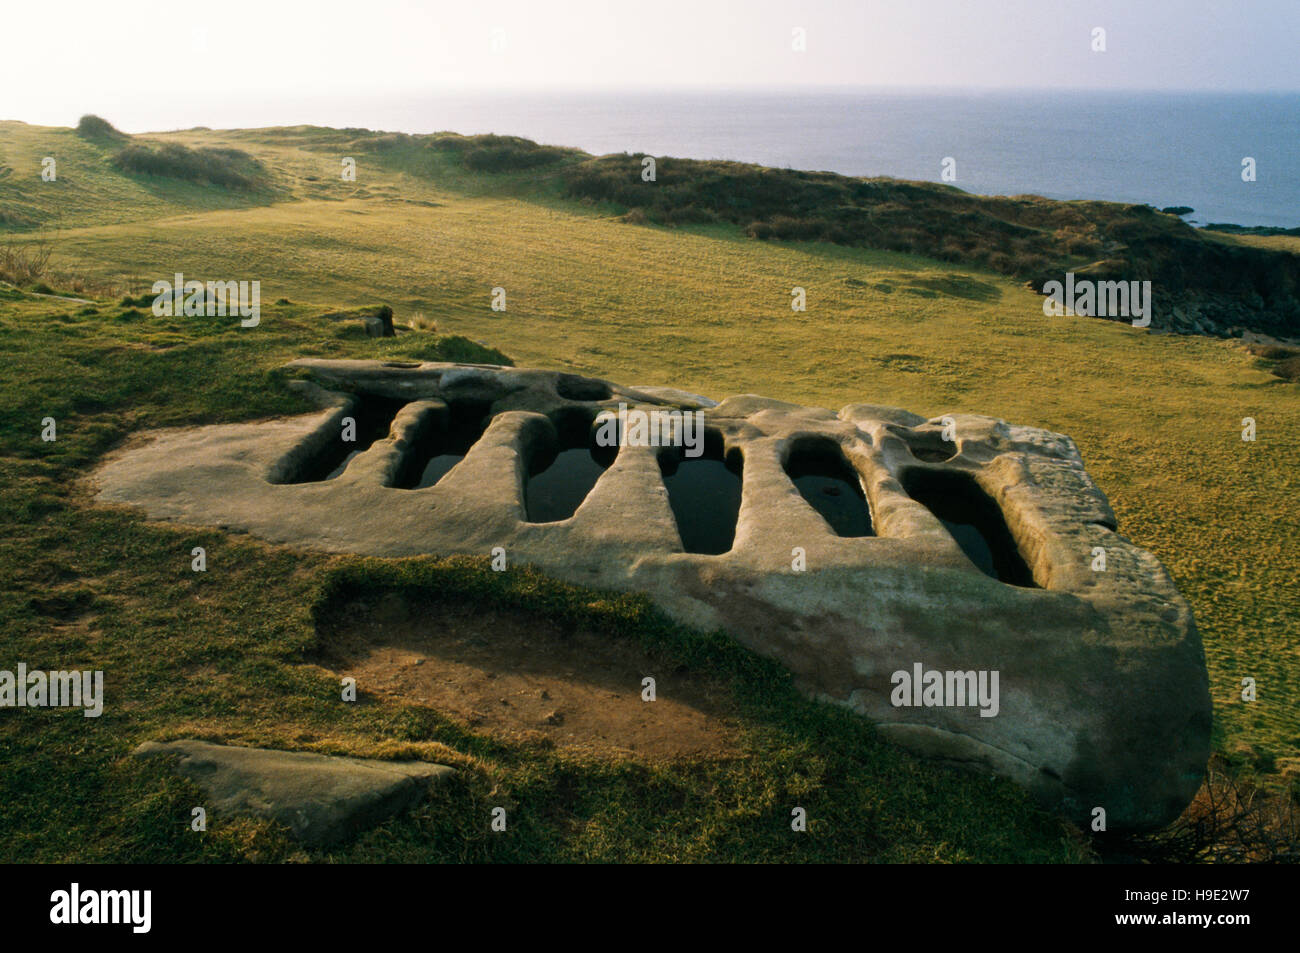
(701, 307)
(223, 654)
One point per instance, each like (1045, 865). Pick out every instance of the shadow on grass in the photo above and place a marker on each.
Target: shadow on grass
(865, 800)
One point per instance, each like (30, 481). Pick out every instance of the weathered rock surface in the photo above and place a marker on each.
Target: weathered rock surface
(1103, 690)
(322, 799)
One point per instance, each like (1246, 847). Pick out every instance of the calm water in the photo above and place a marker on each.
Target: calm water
(556, 492)
(1161, 148)
(704, 495)
(437, 468)
(974, 521)
(830, 486)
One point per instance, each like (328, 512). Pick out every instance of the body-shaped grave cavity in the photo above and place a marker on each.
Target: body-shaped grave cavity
(830, 486)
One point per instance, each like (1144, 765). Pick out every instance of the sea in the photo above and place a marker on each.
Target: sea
(1162, 148)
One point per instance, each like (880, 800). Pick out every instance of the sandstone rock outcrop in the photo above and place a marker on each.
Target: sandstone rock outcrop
(981, 555)
(322, 799)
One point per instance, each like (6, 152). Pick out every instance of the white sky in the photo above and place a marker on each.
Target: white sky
(62, 59)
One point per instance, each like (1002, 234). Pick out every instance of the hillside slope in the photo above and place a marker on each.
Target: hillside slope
(1202, 281)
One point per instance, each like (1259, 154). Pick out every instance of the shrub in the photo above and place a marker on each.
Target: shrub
(1289, 369)
(392, 140)
(1027, 265)
(93, 127)
(26, 263)
(1082, 247)
(1231, 820)
(796, 229)
(492, 153)
(1000, 261)
(462, 350)
(420, 322)
(229, 168)
(952, 250)
(1273, 352)
(374, 142)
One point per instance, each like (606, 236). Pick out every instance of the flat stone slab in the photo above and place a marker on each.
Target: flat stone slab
(1103, 696)
(321, 798)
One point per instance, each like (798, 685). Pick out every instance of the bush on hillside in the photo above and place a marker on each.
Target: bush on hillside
(380, 142)
(492, 153)
(460, 350)
(22, 264)
(93, 127)
(229, 168)
(1288, 370)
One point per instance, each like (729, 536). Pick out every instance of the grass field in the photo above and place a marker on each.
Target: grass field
(1158, 419)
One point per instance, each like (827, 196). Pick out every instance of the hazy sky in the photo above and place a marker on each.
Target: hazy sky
(63, 59)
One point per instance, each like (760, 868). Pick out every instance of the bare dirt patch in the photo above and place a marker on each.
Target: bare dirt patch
(516, 677)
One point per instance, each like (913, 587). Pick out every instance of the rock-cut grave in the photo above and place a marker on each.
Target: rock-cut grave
(960, 581)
